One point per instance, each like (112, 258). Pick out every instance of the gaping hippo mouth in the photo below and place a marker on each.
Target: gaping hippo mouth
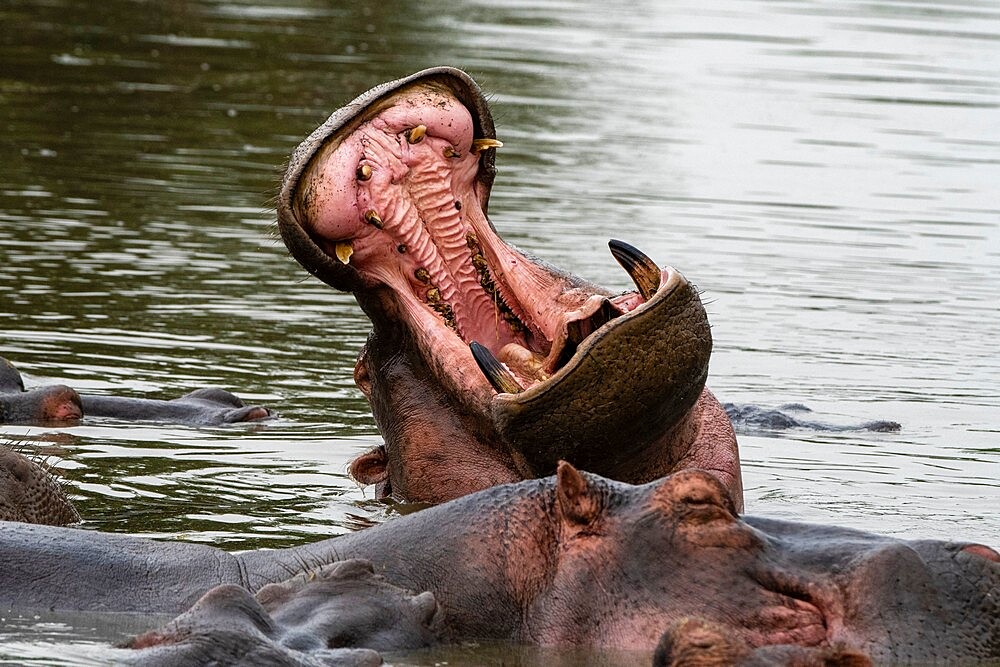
(388, 200)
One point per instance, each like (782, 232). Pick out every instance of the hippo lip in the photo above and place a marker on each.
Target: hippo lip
(627, 308)
(388, 200)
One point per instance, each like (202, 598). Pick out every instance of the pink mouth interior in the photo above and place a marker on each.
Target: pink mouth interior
(412, 215)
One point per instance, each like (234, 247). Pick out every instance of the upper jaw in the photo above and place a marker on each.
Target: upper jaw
(300, 242)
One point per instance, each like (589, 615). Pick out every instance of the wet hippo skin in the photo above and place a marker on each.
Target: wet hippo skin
(30, 493)
(486, 365)
(577, 559)
(795, 416)
(58, 404)
(340, 615)
(202, 407)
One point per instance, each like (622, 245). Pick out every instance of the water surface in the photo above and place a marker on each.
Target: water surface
(825, 171)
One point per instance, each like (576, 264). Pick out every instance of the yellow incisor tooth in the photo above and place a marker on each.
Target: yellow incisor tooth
(373, 219)
(482, 144)
(344, 251)
(415, 135)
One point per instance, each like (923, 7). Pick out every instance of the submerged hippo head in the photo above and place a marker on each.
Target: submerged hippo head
(486, 365)
(56, 403)
(339, 615)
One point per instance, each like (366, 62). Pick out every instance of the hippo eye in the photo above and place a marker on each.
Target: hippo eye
(696, 499)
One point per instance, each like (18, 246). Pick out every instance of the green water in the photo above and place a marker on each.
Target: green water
(825, 171)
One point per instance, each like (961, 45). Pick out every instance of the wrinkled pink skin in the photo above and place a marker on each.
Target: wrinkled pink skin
(428, 268)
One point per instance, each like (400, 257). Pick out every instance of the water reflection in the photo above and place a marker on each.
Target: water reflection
(824, 171)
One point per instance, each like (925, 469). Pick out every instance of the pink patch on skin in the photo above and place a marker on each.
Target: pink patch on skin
(983, 551)
(62, 407)
(257, 413)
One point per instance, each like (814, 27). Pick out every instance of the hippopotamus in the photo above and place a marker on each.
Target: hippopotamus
(59, 403)
(788, 416)
(575, 559)
(55, 403)
(30, 493)
(341, 615)
(485, 365)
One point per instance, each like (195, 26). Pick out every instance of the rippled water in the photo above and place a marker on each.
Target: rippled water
(825, 171)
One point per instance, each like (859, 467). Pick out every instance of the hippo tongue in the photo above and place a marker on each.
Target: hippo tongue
(524, 364)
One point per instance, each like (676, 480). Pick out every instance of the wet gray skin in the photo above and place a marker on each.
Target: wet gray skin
(577, 559)
(749, 417)
(341, 614)
(202, 407)
(388, 199)
(29, 492)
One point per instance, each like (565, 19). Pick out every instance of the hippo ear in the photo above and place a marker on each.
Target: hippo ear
(352, 568)
(579, 501)
(371, 467)
(362, 376)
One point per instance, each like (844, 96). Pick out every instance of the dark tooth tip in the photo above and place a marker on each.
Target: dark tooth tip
(641, 269)
(500, 378)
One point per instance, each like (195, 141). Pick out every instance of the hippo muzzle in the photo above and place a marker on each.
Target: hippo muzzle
(486, 365)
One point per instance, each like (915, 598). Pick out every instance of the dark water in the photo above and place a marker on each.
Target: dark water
(825, 171)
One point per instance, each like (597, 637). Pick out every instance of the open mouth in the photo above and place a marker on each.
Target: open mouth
(388, 199)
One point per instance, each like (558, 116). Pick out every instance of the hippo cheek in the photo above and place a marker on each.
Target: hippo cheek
(626, 386)
(924, 602)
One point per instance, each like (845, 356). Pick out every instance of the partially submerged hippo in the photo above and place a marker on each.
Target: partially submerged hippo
(59, 403)
(55, 403)
(576, 559)
(795, 415)
(30, 493)
(341, 614)
(388, 200)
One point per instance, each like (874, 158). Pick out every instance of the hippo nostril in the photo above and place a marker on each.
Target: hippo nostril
(982, 551)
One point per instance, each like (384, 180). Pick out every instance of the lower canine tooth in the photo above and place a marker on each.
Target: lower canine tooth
(501, 379)
(344, 251)
(643, 271)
